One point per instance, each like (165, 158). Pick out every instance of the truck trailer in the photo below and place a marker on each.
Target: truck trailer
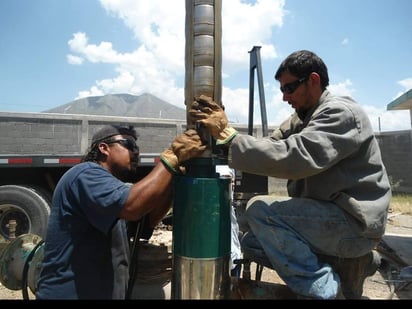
(36, 149)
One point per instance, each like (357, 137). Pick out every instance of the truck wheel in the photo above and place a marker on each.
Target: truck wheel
(28, 206)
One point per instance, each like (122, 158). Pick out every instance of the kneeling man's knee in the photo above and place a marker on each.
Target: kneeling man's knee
(254, 206)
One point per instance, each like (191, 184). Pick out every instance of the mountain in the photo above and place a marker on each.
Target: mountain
(144, 106)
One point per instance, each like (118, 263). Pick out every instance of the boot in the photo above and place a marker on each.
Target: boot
(353, 271)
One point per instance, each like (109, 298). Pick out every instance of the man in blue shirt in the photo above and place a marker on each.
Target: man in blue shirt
(86, 253)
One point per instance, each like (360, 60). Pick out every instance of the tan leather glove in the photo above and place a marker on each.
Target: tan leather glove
(169, 159)
(208, 113)
(184, 147)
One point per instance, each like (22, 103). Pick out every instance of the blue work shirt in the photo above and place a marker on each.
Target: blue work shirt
(86, 253)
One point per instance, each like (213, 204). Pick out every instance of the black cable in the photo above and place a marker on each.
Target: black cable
(133, 256)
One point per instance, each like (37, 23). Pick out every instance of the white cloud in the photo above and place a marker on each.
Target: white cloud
(93, 91)
(157, 66)
(74, 60)
(94, 53)
(343, 89)
(406, 83)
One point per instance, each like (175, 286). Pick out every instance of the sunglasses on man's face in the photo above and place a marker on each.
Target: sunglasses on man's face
(291, 87)
(126, 143)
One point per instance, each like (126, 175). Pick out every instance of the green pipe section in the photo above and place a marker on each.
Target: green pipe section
(201, 217)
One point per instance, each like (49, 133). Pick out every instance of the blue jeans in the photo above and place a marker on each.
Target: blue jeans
(286, 233)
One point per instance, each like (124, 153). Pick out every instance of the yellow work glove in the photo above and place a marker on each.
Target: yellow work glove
(208, 113)
(184, 147)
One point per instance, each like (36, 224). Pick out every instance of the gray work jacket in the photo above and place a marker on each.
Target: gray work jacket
(331, 155)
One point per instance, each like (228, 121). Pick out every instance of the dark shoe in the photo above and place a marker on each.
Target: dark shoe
(235, 272)
(353, 272)
(340, 295)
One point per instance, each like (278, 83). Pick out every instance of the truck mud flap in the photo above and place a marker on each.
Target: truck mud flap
(23, 209)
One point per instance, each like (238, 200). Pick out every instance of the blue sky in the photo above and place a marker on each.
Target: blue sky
(56, 51)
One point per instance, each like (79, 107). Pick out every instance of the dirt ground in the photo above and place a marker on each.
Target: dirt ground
(385, 284)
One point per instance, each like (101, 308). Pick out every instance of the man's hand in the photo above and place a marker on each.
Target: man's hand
(188, 145)
(184, 147)
(209, 114)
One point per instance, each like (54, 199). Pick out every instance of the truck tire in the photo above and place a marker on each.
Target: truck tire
(29, 206)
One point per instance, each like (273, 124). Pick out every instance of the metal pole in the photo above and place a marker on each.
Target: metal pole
(201, 208)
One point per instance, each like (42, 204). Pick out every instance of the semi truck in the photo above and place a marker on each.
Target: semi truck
(38, 148)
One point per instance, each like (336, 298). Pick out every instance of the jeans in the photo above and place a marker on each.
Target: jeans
(286, 233)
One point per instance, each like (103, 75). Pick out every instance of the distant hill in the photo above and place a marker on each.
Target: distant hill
(144, 106)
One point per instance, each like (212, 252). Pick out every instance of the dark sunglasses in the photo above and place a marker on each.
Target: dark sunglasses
(126, 143)
(291, 87)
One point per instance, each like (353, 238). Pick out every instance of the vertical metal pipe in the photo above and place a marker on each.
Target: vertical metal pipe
(201, 238)
(201, 209)
(203, 51)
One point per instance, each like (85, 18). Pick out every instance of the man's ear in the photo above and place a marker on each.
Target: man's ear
(315, 78)
(103, 148)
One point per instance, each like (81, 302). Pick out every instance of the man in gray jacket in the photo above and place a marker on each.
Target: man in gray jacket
(320, 239)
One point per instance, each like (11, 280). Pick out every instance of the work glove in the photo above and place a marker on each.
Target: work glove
(209, 114)
(184, 147)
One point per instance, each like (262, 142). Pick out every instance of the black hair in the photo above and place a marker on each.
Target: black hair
(303, 62)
